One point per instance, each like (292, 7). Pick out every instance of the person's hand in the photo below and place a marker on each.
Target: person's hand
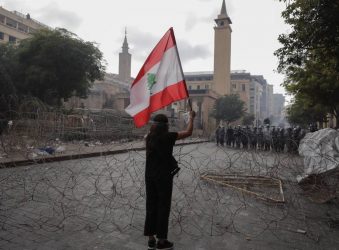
(192, 114)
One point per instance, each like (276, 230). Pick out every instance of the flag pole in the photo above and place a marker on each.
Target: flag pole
(176, 47)
(190, 104)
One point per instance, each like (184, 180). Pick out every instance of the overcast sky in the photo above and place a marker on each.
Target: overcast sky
(256, 26)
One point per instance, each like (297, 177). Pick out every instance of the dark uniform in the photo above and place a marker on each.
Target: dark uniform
(274, 139)
(159, 183)
(244, 138)
(260, 139)
(253, 136)
(221, 135)
(313, 127)
(289, 140)
(281, 140)
(295, 139)
(217, 135)
(267, 139)
(230, 136)
(237, 136)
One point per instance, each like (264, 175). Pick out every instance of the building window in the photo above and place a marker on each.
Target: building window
(243, 87)
(207, 86)
(32, 31)
(2, 36)
(12, 39)
(234, 86)
(198, 86)
(189, 87)
(2, 19)
(23, 27)
(11, 22)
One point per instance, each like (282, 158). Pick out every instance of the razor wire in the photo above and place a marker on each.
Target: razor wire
(106, 194)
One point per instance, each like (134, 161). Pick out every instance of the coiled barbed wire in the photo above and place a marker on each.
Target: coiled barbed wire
(106, 195)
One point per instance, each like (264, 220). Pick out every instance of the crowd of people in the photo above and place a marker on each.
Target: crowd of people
(266, 138)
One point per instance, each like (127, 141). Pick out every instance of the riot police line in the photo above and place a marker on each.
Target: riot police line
(265, 138)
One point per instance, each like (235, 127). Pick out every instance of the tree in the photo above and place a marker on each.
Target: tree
(228, 108)
(7, 71)
(56, 64)
(300, 113)
(248, 119)
(310, 53)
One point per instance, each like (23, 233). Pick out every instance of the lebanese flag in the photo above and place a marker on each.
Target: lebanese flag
(159, 83)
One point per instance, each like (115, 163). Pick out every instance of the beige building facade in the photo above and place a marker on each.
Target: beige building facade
(203, 96)
(15, 26)
(256, 92)
(241, 81)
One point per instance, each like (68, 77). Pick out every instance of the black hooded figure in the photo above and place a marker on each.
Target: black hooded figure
(159, 178)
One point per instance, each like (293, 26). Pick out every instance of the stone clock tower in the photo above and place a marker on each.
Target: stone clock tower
(125, 61)
(222, 53)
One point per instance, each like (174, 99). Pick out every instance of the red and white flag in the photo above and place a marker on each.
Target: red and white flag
(159, 83)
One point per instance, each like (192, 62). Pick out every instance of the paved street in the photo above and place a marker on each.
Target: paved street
(99, 203)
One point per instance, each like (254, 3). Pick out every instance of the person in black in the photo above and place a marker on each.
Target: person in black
(230, 136)
(237, 136)
(159, 179)
(221, 135)
(217, 137)
(254, 138)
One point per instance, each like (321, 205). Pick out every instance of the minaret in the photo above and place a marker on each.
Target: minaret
(125, 61)
(222, 53)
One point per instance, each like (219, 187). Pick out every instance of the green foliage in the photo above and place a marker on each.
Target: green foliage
(7, 71)
(248, 119)
(54, 64)
(302, 114)
(310, 53)
(228, 108)
(7, 65)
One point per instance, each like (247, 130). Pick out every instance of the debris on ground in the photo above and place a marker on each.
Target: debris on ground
(301, 231)
(48, 149)
(60, 149)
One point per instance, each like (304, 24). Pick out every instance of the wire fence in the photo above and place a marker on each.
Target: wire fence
(90, 202)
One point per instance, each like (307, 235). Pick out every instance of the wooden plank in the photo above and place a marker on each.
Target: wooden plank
(258, 195)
